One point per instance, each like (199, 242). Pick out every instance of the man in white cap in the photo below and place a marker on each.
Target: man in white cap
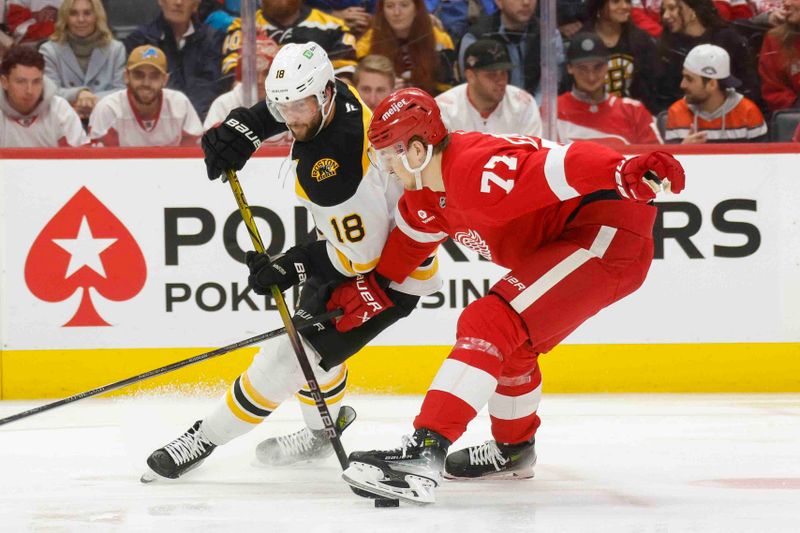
(712, 110)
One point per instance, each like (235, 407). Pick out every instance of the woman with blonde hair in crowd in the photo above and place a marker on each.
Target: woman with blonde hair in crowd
(424, 55)
(82, 57)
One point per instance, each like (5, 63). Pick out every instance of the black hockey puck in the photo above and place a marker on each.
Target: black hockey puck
(386, 502)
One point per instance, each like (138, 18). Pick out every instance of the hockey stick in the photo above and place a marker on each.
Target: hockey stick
(169, 368)
(294, 338)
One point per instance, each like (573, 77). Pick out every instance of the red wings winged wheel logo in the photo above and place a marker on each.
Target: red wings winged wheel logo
(85, 245)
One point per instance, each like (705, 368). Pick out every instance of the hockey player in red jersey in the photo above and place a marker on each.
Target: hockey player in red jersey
(573, 224)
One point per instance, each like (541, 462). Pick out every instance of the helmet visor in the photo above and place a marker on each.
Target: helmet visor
(297, 111)
(384, 158)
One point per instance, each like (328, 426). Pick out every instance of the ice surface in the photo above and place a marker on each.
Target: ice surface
(616, 463)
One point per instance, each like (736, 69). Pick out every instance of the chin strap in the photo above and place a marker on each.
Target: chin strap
(418, 171)
(324, 113)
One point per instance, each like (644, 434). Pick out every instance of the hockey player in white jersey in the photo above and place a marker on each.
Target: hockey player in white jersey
(353, 206)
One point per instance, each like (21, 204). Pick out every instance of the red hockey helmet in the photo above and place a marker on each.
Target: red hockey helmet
(404, 114)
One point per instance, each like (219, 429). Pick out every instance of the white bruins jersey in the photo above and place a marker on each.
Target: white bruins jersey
(352, 203)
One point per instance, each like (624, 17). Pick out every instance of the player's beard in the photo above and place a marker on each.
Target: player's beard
(306, 132)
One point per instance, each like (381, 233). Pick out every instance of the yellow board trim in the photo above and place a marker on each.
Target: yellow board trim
(747, 367)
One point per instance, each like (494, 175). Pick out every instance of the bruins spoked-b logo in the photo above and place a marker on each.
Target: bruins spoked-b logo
(324, 168)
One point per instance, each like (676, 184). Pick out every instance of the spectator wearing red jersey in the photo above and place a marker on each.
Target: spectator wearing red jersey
(712, 110)
(31, 21)
(145, 114)
(31, 113)
(646, 14)
(588, 112)
(779, 61)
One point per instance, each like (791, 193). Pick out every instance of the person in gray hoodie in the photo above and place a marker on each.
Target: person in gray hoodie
(712, 110)
(31, 113)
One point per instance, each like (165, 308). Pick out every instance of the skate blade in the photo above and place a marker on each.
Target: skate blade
(496, 475)
(150, 477)
(420, 490)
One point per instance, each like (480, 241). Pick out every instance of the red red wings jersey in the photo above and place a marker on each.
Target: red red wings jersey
(503, 194)
(616, 121)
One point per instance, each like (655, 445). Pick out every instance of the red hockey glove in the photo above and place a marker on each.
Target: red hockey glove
(640, 178)
(360, 298)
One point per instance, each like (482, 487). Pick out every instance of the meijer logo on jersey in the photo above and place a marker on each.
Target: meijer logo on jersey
(397, 106)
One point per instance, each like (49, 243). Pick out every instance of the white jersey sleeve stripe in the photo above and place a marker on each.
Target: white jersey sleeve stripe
(555, 173)
(470, 384)
(419, 236)
(567, 266)
(514, 407)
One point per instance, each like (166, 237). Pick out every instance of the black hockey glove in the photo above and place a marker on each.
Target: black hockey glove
(285, 270)
(230, 145)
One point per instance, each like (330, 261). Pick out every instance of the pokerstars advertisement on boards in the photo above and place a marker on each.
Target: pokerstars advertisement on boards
(129, 253)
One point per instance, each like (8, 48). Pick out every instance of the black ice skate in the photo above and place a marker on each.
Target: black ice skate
(302, 446)
(492, 460)
(179, 456)
(409, 473)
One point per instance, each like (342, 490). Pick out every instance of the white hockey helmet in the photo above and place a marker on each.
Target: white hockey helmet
(299, 71)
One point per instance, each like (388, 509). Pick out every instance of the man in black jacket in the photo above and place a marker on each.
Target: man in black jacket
(514, 25)
(193, 50)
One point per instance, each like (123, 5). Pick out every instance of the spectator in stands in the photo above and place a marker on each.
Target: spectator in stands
(374, 79)
(588, 112)
(632, 51)
(6, 40)
(266, 49)
(688, 23)
(82, 56)
(514, 25)
(357, 14)
(31, 113)
(486, 102)
(31, 21)
(193, 51)
(779, 62)
(451, 16)
(424, 55)
(712, 110)
(646, 14)
(288, 21)
(145, 114)
(219, 14)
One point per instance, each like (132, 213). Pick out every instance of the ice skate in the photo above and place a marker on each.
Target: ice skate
(492, 460)
(185, 453)
(302, 446)
(409, 473)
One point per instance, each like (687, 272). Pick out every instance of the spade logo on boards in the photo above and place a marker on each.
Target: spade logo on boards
(83, 246)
